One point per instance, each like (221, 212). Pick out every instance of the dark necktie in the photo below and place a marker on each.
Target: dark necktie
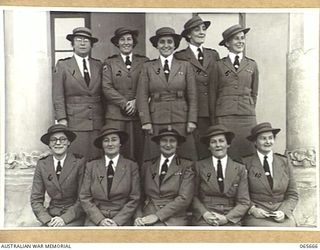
(164, 170)
(166, 69)
(128, 62)
(267, 171)
(110, 174)
(220, 177)
(58, 170)
(86, 72)
(236, 63)
(200, 56)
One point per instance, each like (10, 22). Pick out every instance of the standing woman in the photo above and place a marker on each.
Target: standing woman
(203, 61)
(76, 93)
(119, 81)
(221, 194)
(167, 184)
(167, 94)
(110, 191)
(272, 186)
(237, 89)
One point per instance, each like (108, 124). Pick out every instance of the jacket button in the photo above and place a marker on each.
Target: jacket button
(205, 75)
(90, 106)
(236, 86)
(205, 83)
(205, 93)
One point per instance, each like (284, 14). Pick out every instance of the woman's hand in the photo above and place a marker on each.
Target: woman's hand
(63, 122)
(148, 128)
(221, 219)
(258, 213)
(139, 222)
(107, 222)
(149, 219)
(56, 222)
(210, 218)
(278, 216)
(190, 127)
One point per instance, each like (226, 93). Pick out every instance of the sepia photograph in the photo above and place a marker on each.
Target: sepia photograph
(149, 120)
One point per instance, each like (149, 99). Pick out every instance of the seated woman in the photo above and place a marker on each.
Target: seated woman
(110, 191)
(221, 194)
(272, 187)
(168, 184)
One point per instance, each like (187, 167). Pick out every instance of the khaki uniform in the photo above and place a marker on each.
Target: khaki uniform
(79, 104)
(170, 200)
(119, 86)
(283, 196)
(124, 197)
(233, 202)
(63, 192)
(205, 87)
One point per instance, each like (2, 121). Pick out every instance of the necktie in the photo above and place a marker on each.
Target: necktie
(200, 56)
(164, 169)
(128, 62)
(166, 69)
(236, 62)
(220, 177)
(267, 171)
(58, 170)
(86, 72)
(110, 174)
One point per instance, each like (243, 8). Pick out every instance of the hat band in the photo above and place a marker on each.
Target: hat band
(82, 33)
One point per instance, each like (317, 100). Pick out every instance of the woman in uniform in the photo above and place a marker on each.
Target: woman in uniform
(110, 191)
(203, 61)
(236, 83)
(272, 186)
(167, 94)
(119, 81)
(221, 193)
(167, 184)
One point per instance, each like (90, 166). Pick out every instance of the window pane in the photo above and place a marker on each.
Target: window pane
(64, 26)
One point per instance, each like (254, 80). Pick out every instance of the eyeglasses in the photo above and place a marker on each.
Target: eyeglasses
(82, 39)
(62, 140)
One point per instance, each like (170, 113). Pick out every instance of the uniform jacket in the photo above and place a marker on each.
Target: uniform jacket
(204, 79)
(120, 85)
(236, 90)
(170, 200)
(172, 101)
(283, 196)
(63, 192)
(233, 202)
(73, 99)
(124, 196)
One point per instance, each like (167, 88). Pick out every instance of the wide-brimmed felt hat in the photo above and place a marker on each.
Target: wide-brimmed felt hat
(55, 129)
(107, 130)
(228, 33)
(192, 23)
(218, 129)
(165, 31)
(168, 132)
(261, 128)
(122, 31)
(84, 32)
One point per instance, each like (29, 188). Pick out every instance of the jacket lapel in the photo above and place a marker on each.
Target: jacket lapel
(157, 67)
(243, 64)
(259, 170)
(175, 66)
(210, 173)
(118, 174)
(135, 62)
(94, 70)
(227, 62)
(155, 171)
(51, 173)
(207, 58)
(192, 59)
(75, 72)
(231, 172)
(277, 172)
(173, 168)
(67, 167)
(102, 176)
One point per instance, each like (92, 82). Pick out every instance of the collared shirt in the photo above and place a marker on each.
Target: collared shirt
(169, 58)
(194, 49)
(232, 56)
(114, 160)
(269, 159)
(124, 57)
(223, 164)
(79, 60)
(55, 162)
(162, 159)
